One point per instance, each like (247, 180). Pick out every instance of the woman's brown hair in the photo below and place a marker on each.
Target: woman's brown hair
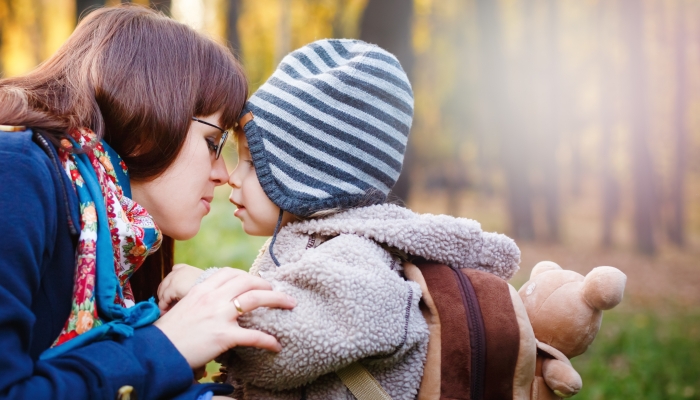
(136, 78)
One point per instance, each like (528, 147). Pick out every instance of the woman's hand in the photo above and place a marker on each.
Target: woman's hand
(176, 285)
(203, 324)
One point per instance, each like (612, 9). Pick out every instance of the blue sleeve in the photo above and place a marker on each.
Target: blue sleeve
(204, 391)
(148, 361)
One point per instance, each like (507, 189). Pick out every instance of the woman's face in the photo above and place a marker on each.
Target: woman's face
(180, 197)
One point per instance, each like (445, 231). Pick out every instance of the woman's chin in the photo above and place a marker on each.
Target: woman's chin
(183, 232)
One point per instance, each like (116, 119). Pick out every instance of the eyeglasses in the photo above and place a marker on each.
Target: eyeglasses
(216, 148)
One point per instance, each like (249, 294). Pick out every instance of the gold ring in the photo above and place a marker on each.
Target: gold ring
(238, 306)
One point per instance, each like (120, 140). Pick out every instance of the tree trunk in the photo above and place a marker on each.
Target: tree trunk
(643, 171)
(677, 223)
(283, 44)
(233, 12)
(501, 113)
(388, 23)
(576, 162)
(609, 183)
(552, 126)
(4, 14)
(164, 6)
(81, 6)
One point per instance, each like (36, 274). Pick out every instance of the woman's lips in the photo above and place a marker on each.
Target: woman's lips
(207, 204)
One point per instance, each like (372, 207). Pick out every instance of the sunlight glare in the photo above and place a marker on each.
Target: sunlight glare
(190, 12)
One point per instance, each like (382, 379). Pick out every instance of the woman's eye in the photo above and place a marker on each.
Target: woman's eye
(212, 147)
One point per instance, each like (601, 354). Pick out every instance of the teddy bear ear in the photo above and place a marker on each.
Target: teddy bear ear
(543, 266)
(603, 287)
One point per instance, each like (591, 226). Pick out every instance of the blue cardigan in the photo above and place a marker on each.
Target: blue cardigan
(38, 235)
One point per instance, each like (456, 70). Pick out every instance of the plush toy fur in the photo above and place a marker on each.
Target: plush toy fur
(565, 310)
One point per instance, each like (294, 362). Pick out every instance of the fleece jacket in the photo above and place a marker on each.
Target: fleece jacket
(353, 304)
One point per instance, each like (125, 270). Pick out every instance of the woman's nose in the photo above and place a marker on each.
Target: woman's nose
(219, 173)
(234, 179)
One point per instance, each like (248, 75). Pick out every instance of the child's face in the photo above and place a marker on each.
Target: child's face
(255, 210)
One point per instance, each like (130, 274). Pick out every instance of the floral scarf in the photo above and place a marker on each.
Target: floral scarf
(116, 236)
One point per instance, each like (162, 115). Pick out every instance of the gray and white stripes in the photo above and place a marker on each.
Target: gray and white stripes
(330, 126)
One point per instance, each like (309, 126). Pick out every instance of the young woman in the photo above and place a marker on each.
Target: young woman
(108, 151)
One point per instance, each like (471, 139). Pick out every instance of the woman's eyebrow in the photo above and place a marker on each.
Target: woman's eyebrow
(213, 131)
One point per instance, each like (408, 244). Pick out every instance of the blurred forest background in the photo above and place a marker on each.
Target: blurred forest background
(573, 126)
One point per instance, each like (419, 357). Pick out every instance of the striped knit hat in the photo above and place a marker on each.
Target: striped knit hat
(330, 126)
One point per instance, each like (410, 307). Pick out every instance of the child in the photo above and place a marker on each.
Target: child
(323, 143)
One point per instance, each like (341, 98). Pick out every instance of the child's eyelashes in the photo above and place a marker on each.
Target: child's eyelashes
(250, 162)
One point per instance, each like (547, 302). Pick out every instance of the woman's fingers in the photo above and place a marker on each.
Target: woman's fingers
(253, 299)
(253, 338)
(203, 324)
(234, 285)
(220, 277)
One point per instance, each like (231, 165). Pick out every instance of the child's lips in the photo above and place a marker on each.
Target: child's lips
(239, 210)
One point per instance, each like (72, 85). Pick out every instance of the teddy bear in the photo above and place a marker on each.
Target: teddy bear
(565, 310)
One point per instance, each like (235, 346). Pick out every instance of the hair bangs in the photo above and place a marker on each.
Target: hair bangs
(222, 84)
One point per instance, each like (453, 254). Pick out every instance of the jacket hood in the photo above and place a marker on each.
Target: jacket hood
(458, 242)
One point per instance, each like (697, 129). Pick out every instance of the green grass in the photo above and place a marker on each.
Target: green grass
(221, 240)
(643, 355)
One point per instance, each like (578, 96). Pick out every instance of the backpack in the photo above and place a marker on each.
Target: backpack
(481, 342)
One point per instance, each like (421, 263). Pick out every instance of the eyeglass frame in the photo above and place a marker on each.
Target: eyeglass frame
(222, 141)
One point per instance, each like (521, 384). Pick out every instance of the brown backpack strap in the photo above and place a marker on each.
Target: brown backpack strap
(430, 383)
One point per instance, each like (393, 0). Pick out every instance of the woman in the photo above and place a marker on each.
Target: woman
(158, 93)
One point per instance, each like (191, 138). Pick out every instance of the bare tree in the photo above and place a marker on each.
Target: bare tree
(388, 23)
(233, 12)
(4, 11)
(551, 80)
(458, 113)
(677, 223)
(283, 44)
(609, 183)
(164, 6)
(81, 6)
(642, 168)
(501, 113)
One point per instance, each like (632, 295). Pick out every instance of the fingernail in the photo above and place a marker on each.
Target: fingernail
(292, 300)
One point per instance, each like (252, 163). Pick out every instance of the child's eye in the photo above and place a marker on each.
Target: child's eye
(250, 162)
